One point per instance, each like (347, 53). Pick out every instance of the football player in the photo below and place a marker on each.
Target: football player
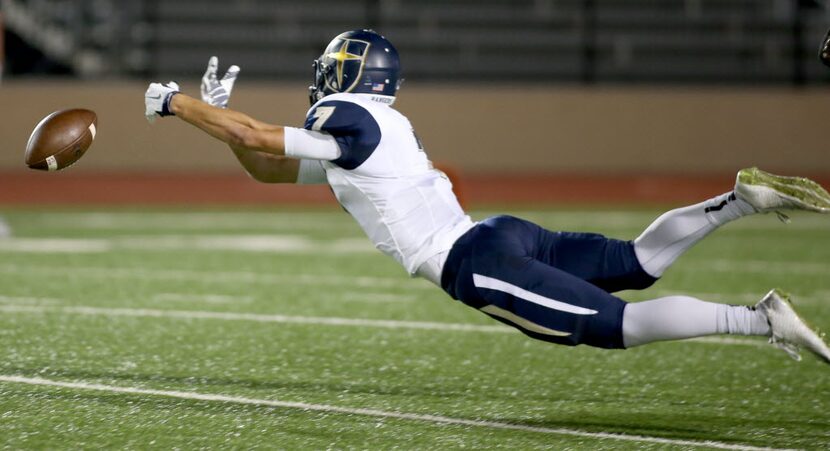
(553, 286)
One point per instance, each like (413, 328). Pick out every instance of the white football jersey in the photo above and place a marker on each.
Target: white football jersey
(384, 179)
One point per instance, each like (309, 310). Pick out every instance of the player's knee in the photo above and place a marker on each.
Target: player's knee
(608, 336)
(642, 280)
(605, 338)
(499, 224)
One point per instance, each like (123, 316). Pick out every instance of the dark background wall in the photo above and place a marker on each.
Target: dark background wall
(494, 87)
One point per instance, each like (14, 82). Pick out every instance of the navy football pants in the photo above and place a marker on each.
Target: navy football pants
(554, 286)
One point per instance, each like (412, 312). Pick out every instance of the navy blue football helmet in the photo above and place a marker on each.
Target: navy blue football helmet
(358, 61)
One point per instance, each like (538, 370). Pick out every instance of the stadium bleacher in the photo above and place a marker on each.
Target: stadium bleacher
(606, 41)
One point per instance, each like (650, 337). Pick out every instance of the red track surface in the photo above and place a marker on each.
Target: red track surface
(35, 188)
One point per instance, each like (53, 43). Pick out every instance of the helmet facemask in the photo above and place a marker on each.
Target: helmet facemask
(317, 90)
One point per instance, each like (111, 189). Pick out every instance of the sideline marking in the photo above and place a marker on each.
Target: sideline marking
(314, 320)
(377, 413)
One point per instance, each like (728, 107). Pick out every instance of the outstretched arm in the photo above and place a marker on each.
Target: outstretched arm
(268, 152)
(240, 131)
(258, 146)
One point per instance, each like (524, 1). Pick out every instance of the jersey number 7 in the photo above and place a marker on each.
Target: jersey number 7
(322, 114)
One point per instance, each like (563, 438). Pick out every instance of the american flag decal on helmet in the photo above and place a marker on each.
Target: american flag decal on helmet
(378, 87)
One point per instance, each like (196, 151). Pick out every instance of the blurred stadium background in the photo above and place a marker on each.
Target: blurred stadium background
(531, 100)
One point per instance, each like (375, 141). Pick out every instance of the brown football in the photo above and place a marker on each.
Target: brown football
(60, 139)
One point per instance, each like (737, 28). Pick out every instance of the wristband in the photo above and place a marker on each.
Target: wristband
(165, 106)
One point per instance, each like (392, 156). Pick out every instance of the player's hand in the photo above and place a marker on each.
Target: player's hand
(157, 100)
(214, 91)
(824, 51)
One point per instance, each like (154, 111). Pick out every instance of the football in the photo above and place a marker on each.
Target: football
(60, 139)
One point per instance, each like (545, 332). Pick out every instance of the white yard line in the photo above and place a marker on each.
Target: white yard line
(818, 297)
(824, 295)
(29, 300)
(281, 279)
(733, 341)
(201, 298)
(208, 298)
(634, 220)
(375, 298)
(197, 221)
(730, 298)
(294, 244)
(798, 299)
(217, 276)
(230, 316)
(309, 320)
(439, 419)
(559, 220)
(762, 267)
(55, 245)
(208, 276)
(297, 244)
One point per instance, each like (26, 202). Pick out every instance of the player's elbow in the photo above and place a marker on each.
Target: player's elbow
(243, 137)
(267, 168)
(262, 177)
(278, 173)
(267, 141)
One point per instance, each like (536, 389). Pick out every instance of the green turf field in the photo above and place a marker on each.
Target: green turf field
(232, 328)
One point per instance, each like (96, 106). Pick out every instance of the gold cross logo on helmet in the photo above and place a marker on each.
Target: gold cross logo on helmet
(341, 56)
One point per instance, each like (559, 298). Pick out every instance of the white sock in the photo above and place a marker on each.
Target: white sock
(741, 320)
(674, 232)
(680, 317)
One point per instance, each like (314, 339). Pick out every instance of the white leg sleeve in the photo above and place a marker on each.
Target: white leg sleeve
(679, 317)
(673, 233)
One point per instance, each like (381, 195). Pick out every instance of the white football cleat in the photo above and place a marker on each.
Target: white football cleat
(769, 192)
(788, 331)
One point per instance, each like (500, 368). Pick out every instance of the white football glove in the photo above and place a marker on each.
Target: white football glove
(214, 91)
(157, 100)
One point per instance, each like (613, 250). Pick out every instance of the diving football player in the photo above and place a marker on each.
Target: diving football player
(553, 286)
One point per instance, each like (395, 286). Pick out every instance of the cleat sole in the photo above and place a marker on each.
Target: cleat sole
(802, 191)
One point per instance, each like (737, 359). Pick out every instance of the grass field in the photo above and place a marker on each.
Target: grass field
(232, 328)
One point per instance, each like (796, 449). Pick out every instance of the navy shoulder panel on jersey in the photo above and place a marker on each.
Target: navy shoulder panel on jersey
(356, 131)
